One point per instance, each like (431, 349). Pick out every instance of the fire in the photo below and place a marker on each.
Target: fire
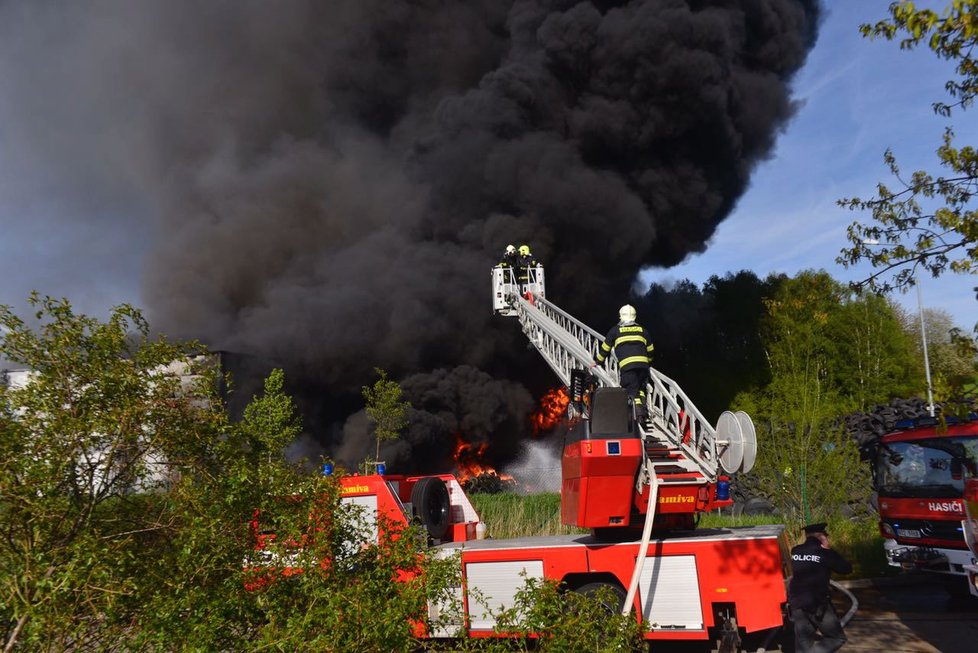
(470, 461)
(553, 406)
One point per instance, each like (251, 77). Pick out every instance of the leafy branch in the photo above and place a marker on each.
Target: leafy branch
(927, 223)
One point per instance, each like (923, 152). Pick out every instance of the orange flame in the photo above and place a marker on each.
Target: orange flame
(470, 461)
(553, 406)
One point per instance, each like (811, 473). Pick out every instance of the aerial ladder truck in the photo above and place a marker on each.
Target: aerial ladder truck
(621, 471)
(623, 478)
(675, 460)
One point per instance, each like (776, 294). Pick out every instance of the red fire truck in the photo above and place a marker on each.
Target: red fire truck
(693, 585)
(919, 473)
(637, 484)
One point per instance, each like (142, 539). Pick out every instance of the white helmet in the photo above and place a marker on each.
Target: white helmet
(627, 313)
(510, 249)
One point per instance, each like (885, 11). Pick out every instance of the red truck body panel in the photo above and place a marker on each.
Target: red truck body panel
(686, 574)
(919, 475)
(740, 567)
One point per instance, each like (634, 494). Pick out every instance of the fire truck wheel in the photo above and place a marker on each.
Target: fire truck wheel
(431, 505)
(611, 595)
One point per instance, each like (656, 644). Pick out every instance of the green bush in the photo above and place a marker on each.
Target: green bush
(544, 617)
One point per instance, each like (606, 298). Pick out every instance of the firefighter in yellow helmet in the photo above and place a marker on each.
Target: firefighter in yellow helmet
(632, 345)
(524, 262)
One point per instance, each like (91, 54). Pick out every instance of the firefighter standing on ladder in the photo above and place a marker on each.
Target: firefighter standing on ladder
(633, 349)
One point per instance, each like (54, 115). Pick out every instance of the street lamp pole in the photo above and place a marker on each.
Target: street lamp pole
(923, 338)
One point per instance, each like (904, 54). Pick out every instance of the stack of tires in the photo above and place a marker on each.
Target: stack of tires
(867, 428)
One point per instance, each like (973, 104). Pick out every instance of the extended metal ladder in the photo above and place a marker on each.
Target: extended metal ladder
(567, 344)
(678, 441)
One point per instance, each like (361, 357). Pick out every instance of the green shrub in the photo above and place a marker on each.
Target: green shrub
(544, 617)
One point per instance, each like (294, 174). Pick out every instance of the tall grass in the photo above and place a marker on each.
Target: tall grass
(509, 515)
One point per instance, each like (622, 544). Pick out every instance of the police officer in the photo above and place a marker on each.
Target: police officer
(812, 563)
(633, 349)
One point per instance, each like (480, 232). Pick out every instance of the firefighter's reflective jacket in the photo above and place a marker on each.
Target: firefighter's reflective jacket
(632, 345)
(523, 265)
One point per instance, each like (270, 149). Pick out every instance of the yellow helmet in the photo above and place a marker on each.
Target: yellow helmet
(524, 250)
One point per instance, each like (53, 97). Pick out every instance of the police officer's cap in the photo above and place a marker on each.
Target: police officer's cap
(811, 529)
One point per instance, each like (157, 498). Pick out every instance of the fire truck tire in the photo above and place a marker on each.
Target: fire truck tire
(431, 505)
(614, 591)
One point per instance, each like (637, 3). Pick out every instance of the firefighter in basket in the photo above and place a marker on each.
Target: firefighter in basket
(510, 258)
(524, 262)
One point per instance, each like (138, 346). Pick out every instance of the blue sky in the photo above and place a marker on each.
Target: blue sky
(859, 98)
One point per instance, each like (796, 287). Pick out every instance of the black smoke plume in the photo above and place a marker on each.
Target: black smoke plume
(327, 183)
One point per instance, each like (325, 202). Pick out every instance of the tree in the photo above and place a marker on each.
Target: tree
(130, 506)
(385, 409)
(829, 352)
(79, 444)
(952, 356)
(874, 357)
(709, 340)
(927, 222)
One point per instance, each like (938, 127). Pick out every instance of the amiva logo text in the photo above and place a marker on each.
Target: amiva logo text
(679, 499)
